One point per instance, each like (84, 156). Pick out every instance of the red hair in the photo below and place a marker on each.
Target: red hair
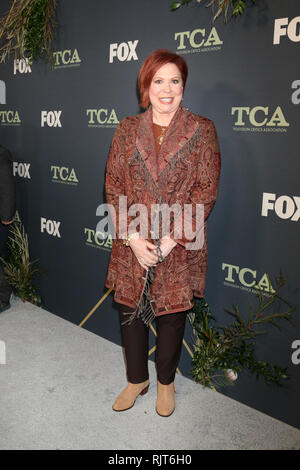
(151, 65)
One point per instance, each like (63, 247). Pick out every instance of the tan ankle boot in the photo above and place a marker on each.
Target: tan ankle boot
(165, 403)
(127, 397)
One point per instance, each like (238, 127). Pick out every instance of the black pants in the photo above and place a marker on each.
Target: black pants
(170, 331)
(5, 288)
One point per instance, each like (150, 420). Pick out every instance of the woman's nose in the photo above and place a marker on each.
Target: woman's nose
(167, 87)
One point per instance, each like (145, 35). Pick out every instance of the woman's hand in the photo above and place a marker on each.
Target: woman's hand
(143, 250)
(4, 222)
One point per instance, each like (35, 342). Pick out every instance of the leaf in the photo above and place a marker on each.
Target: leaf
(175, 5)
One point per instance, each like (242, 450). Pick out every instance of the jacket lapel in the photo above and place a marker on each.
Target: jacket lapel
(145, 142)
(180, 130)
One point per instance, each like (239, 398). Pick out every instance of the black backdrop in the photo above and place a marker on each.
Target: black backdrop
(59, 123)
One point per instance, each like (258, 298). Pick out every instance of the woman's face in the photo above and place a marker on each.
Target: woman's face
(166, 89)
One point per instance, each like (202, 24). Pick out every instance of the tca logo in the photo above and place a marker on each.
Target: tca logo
(282, 27)
(63, 173)
(234, 272)
(276, 119)
(66, 57)
(21, 169)
(98, 238)
(22, 66)
(198, 38)
(10, 117)
(102, 116)
(285, 207)
(50, 226)
(124, 51)
(51, 118)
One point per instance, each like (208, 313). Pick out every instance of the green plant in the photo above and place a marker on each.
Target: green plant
(218, 348)
(18, 269)
(28, 28)
(236, 7)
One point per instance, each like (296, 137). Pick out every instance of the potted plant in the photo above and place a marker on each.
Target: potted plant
(19, 271)
(220, 352)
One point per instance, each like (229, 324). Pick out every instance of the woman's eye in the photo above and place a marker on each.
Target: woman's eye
(175, 81)
(157, 81)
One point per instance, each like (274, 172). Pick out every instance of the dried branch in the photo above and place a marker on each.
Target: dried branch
(219, 7)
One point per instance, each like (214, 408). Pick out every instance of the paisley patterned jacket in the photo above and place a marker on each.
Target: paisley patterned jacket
(186, 171)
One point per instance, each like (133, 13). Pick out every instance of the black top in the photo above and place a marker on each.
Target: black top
(7, 186)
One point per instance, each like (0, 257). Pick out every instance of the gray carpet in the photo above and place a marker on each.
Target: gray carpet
(60, 381)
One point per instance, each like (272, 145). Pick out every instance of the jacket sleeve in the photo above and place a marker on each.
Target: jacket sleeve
(7, 186)
(205, 189)
(115, 182)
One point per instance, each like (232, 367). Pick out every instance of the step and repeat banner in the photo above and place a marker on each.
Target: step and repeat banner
(58, 125)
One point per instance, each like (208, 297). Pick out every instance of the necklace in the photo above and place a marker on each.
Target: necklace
(163, 129)
(162, 135)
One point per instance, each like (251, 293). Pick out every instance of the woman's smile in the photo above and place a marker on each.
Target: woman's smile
(166, 100)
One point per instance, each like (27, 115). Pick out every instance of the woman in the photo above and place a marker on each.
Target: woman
(166, 155)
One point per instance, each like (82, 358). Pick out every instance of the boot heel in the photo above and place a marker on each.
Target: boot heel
(145, 390)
